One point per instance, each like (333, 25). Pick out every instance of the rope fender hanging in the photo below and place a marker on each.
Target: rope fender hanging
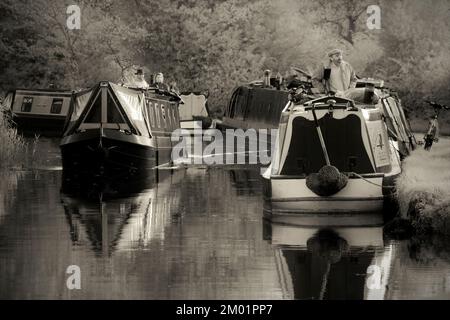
(327, 181)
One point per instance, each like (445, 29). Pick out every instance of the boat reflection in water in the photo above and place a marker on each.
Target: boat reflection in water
(322, 256)
(109, 215)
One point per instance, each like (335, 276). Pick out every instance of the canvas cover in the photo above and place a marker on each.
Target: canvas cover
(78, 105)
(343, 139)
(194, 105)
(124, 105)
(133, 103)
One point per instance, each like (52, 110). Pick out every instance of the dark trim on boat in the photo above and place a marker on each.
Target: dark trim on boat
(365, 175)
(44, 93)
(325, 199)
(112, 134)
(30, 115)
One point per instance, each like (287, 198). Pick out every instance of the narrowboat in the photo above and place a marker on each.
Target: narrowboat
(38, 111)
(338, 154)
(112, 129)
(258, 104)
(194, 112)
(254, 106)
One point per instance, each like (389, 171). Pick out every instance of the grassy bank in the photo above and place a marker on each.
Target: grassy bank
(12, 145)
(424, 189)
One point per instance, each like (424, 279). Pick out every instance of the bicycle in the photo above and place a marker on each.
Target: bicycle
(433, 129)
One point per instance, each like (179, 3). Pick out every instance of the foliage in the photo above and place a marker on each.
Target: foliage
(424, 189)
(218, 45)
(12, 145)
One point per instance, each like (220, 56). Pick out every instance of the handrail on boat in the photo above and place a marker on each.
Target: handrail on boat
(322, 106)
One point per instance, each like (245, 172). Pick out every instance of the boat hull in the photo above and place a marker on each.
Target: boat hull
(39, 124)
(287, 194)
(104, 151)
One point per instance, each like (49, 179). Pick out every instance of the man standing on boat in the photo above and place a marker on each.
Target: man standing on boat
(337, 75)
(134, 79)
(139, 81)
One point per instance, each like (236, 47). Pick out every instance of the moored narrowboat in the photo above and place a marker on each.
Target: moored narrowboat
(113, 129)
(38, 111)
(255, 107)
(337, 154)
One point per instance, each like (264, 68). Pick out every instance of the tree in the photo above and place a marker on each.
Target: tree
(343, 16)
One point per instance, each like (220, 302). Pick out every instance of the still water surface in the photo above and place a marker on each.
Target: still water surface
(194, 233)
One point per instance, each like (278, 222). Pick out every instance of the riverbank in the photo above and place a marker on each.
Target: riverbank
(424, 189)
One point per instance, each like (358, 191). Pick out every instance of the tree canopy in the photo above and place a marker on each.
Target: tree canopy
(219, 44)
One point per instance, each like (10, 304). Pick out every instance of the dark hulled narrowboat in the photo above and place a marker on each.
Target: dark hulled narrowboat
(116, 129)
(254, 107)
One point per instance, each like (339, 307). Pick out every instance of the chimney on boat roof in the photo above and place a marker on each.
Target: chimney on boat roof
(267, 78)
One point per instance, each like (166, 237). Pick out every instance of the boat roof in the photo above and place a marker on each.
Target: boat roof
(39, 91)
(127, 103)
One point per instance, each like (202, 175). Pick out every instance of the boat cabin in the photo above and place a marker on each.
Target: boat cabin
(254, 107)
(38, 111)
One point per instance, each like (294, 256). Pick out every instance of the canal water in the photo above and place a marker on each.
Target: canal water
(195, 232)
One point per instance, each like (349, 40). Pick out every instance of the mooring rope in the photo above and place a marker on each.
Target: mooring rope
(368, 181)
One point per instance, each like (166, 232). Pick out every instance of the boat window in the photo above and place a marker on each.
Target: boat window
(26, 104)
(158, 120)
(163, 115)
(151, 112)
(176, 115)
(168, 116)
(56, 106)
(174, 120)
(172, 116)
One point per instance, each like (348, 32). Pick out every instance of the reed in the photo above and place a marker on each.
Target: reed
(12, 145)
(9, 181)
(423, 189)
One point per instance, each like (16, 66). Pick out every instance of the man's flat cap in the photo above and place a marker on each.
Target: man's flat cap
(334, 51)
